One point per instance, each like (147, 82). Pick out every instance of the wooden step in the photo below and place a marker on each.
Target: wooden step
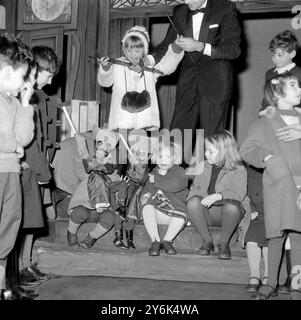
(188, 239)
(185, 266)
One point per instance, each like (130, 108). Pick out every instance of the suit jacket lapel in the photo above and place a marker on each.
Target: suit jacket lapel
(203, 35)
(188, 30)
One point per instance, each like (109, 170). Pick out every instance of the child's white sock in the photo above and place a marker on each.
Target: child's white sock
(254, 257)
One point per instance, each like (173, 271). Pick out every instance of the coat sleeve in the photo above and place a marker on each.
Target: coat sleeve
(170, 37)
(252, 150)
(237, 189)
(8, 142)
(24, 125)
(200, 184)
(228, 47)
(170, 61)
(105, 78)
(37, 161)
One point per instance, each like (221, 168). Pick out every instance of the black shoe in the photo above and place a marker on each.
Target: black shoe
(265, 292)
(129, 239)
(88, 242)
(154, 250)
(168, 247)
(10, 294)
(40, 275)
(286, 287)
(206, 248)
(224, 252)
(28, 278)
(29, 294)
(118, 240)
(72, 239)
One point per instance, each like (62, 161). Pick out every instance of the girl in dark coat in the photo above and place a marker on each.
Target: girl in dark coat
(281, 178)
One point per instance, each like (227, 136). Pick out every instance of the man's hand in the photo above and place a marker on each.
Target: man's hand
(189, 44)
(289, 133)
(209, 200)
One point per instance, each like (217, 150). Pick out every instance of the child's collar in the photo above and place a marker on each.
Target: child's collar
(289, 67)
(270, 111)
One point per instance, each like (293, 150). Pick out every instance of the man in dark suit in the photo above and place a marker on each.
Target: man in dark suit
(210, 38)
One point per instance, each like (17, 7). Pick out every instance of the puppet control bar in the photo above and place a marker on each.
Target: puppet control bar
(74, 131)
(128, 64)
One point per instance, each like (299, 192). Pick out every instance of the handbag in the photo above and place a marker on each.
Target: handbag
(134, 101)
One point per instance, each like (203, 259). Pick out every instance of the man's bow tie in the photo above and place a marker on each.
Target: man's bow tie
(202, 10)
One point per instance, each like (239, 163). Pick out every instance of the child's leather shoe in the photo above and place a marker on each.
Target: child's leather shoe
(154, 250)
(72, 239)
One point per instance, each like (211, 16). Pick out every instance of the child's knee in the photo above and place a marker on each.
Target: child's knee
(147, 208)
(193, 203)
(107, 219)
(79, 214)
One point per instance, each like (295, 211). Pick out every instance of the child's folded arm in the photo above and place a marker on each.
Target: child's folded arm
(8, 142)
(252, 150)
(24, 125)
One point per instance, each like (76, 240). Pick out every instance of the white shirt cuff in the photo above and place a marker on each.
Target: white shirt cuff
(207, 50)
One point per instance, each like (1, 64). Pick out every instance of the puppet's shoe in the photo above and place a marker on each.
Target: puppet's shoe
(224, 252)
(206, 248)
(88, 242)
(265, 292)
(129, 239)
(119, 244)
(154, 250)
(168, 247)
(72, 239)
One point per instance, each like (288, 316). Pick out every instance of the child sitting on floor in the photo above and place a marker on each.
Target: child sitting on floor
(164, 195)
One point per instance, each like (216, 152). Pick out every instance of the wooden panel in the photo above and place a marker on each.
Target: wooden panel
(84, 115)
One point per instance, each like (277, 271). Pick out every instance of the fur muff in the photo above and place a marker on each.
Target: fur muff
(134, 101)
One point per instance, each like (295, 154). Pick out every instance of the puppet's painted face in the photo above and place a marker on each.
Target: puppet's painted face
(140, 154)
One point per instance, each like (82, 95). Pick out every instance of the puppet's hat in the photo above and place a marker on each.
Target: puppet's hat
(141, 33)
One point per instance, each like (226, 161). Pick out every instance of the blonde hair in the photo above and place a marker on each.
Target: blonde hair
(174, 148)
(228, 156)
